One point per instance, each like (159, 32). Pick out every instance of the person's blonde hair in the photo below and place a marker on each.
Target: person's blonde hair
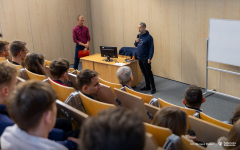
(234, 136)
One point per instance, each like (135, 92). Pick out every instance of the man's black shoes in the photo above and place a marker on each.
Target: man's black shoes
(145, 88)
(153, 91)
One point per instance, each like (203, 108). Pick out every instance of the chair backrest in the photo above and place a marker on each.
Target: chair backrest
(160, 134)
(62, 91)
(34, 76)
(112, 85)
(145, 97)
(71, 113)
(215, 121)
(150, 142)
(152, 109)
(92, 107)
(17, 66)
(205, 131)
(188, 111)
(73, 79)
(132, 102)
(188, 144)
(106, 95)
(71, 70)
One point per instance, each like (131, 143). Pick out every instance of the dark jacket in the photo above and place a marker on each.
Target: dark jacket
(145, 47)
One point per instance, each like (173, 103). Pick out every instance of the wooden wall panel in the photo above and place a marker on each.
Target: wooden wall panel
(134, 12)
(165, 24)
(96, 25)
(195, 28)
(15, 23)
(230, 84)
(46, 30)
(111, 20)
(68, 11)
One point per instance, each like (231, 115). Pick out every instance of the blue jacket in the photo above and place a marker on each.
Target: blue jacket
(145, 47)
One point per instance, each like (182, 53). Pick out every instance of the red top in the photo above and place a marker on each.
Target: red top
(81, 34)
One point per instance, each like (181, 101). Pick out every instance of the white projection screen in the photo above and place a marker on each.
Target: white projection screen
(224, 41)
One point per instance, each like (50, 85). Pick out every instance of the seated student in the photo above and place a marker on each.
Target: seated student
(19, 51)
(8, 81)
(193, 98)
(125, 76)
(113, 129)
(4, 49)
(59, 70)
(172, 118)
(33, 108)
(35, 63)
(88, 83)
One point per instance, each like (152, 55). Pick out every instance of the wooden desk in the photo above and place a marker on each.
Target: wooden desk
(107, 70)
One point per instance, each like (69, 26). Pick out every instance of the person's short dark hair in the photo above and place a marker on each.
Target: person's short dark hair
(16, 47)
(142, 24)
(34, 62)
(3, 45)
(7, 73)
(193, 96)
(58, 67)
(173, 118)
(117, 129)
(85, 77)
(28, 103)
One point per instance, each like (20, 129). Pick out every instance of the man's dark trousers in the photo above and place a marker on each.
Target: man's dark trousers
(76, 59)
(147, 72)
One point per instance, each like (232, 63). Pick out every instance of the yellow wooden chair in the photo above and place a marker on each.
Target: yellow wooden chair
(145, 97)
(71, 70)
(93, 107)
(188, 111)
(150, 142)
(34, 76)
(152, 109)
(62, 91)
(112, 85)
(160, 134)
(188, 144)
(215, 121)
(2, 59)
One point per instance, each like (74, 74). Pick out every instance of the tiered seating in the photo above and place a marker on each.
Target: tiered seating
(92, 107)
(112, 85)
(62, 91)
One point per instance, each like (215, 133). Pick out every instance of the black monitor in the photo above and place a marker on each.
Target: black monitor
(109, 52)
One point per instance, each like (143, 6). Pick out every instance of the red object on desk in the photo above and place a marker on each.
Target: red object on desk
(81, 54)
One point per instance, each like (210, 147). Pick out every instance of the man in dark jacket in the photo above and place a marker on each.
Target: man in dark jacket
(145, 50)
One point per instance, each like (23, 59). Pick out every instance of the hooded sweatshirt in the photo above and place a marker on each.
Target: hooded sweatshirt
(13, 138)
(145, 47)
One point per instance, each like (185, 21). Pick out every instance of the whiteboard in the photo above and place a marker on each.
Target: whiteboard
(224, 41)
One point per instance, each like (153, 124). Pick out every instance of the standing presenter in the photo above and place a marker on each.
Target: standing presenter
(145, 50)
(81, 37)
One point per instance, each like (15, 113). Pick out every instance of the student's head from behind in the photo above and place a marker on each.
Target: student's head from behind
(117, 129)
(172, 118)
(59, 68)
(8, 80)
(236, 115)
(193, 97)
(32, 106)
(234, 136)
(88, 81)
(125, 75)
(4, 48)
(34, 62)
(19, 49)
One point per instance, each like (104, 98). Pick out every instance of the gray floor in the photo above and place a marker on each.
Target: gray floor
(216, 106)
